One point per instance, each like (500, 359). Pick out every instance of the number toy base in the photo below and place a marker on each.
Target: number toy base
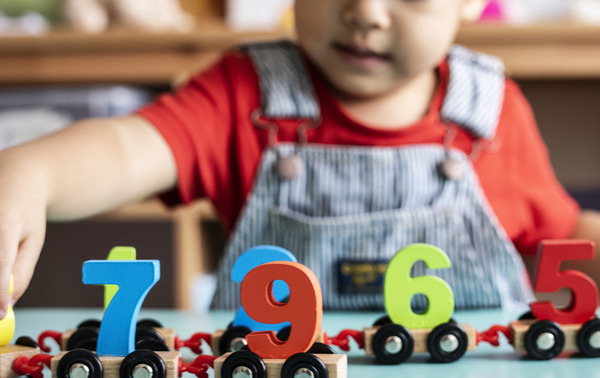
(8, 354)
(420, 337)
(215, 340)
(167, 334)
(112, 365)
(336, 364)
(520, 329)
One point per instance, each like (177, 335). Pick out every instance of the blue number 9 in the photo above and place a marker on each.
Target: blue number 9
(249, 260)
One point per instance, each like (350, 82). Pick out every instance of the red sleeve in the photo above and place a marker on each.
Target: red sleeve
(527, 198)
(200, 123)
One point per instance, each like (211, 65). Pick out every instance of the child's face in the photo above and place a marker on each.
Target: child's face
(367, 48)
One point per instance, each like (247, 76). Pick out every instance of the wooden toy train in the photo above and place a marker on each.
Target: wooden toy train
(270, 337)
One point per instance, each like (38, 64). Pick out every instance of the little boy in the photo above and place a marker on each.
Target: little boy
(373, 134)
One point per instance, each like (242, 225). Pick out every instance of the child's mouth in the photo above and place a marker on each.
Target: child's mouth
(360, 56)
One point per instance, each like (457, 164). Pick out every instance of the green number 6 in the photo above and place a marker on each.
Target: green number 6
(399, 288)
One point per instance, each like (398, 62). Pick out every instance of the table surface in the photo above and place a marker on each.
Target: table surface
(486, 361)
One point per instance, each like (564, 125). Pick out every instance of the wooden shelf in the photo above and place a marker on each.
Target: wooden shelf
(125, 57)
(534, 51)
(543, 51)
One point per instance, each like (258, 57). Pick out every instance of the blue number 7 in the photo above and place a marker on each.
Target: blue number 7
(134, 279)
(249, 260)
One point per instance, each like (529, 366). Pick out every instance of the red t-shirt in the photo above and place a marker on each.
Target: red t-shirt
(217, 149)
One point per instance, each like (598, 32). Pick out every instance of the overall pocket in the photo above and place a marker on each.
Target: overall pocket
(348, 254)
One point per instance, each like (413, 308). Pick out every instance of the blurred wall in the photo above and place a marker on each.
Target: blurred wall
(568, 115)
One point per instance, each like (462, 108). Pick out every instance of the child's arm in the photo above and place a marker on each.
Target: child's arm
(90, 167)
(588, 227)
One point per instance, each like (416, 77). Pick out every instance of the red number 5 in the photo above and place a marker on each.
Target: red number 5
(549, 278)
(304, 309)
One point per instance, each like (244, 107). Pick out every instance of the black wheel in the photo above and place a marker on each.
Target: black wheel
(447, 342)
(284, 333)
(588, 338)
(82, 360)
(544, 340)
(26, 341)
(143, 359)
(392, 344)
(382, 320)
(320, 348)
(148, 333)
(243, 361)
(83, 338)
(233, 339)
(306, 362)
(149, 323)
(527, 316)
(151, 344)
(89, 323)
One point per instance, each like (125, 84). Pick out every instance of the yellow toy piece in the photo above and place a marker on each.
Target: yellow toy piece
(7, 325)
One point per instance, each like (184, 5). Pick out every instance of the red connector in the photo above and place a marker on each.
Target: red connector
(32, 366)
(194, 342)
(492, 335)
(198, 367)
(56, 336)
(342, 339)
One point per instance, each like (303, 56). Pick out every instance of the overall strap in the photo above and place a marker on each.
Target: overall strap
(473, 99)
(475, 91)
(285, 86)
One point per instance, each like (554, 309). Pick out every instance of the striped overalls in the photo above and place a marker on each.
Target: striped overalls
(349, 209)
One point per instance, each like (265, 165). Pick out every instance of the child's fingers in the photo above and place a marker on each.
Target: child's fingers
(24, 265)
(8, 251)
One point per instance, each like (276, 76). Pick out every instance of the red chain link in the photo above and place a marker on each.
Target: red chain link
(198, 367)
(56, 336)
(32, 366)
(342, 340)
(492, 335)
(194, 342)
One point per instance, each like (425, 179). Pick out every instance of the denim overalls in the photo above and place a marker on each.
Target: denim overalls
(344, 211)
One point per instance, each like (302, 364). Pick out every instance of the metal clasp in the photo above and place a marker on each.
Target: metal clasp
(451, 167)
(288, 167)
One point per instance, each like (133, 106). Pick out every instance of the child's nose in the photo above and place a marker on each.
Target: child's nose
(366, 15)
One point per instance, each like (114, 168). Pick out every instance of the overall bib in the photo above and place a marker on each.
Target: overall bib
(348, 210)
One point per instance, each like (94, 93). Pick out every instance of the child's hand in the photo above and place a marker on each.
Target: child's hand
(22, 227)
(83, 170)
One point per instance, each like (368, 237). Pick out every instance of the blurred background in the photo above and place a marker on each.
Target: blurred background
(62, 60)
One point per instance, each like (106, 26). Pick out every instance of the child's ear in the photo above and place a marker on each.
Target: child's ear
(472, 9)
